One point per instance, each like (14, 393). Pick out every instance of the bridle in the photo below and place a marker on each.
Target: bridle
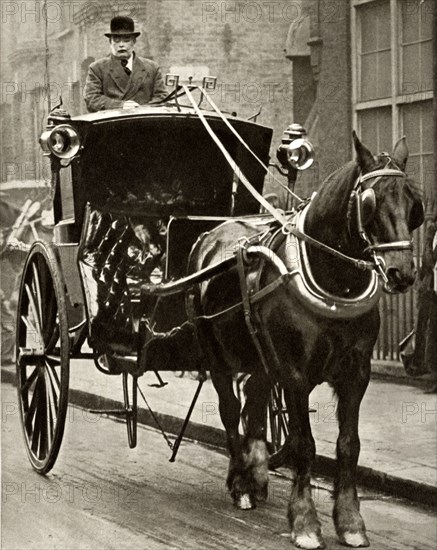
(368, 195)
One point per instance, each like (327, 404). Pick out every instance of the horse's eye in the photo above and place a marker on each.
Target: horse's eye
(417, 216)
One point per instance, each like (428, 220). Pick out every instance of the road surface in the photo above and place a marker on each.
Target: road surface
(103, 496)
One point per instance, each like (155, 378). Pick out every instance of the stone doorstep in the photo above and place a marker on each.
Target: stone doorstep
(394, 371)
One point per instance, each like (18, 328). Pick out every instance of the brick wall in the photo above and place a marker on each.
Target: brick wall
(334, 97)
(240, 42)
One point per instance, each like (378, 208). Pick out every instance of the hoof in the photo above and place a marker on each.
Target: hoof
(356, 540)
(244, 502)
(307, 541)
(262, 494)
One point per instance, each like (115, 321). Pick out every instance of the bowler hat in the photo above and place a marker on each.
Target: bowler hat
(122, 26)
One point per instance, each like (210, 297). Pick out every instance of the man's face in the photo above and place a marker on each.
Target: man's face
(122, 46)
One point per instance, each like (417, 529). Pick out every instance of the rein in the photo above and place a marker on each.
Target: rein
(287, 226)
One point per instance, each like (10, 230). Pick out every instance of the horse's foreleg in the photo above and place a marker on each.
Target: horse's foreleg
(347, 518)
(305, 526)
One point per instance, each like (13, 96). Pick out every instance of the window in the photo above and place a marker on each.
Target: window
(392, 77)
(416, 46)
(375, 52)
(375, 128)
(392, 96)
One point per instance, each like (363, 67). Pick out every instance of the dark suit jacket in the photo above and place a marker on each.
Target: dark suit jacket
(108, 86)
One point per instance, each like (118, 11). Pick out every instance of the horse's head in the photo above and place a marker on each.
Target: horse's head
(388, 208)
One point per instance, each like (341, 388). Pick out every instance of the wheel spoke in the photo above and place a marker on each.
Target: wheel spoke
(30, 413)
(54, 375)
(278, 419)
(35, 311)
(49, 411)
(52, 338)
(30, 326)
(51, 328)
(36, 437)
(36, 287)
(54, 385)
(273, 431)
(29, 381)
(53, 360)
(41, 419)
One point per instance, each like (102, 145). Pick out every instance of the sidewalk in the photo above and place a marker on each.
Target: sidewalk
(397, 424)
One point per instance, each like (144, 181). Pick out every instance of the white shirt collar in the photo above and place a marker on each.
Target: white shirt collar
(130, 62)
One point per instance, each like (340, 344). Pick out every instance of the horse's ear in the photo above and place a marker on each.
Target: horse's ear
(400, 153)
(364, 157)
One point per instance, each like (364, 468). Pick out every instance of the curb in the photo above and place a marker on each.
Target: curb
(369, 478)
(394, 371)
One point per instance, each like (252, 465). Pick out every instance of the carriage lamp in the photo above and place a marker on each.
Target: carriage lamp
(61, 141)
(295, 150)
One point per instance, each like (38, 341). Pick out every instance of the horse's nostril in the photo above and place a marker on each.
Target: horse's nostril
(394, 274)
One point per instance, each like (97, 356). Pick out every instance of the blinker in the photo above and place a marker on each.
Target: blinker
(367, 205)
(417, 216)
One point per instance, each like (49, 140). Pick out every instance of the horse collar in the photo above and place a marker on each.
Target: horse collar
(314, 297)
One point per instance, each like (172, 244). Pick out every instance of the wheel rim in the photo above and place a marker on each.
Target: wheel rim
(130, 405)
(42, 360)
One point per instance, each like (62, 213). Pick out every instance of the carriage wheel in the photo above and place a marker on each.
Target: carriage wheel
(42, 356)
(277, 427)
(131, 408)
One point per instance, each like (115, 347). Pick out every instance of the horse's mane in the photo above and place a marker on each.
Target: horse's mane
(414, 189)
(332, 199)
(334, 192)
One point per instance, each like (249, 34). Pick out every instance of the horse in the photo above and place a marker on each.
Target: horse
(359, 223)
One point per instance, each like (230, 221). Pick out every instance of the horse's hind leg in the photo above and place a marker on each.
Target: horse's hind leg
(255, 456)
(229, 408)
(347, 518)
(248, 466)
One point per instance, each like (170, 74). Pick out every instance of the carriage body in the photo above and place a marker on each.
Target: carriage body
(155, 171)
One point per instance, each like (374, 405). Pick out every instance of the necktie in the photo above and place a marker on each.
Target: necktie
(124, 65)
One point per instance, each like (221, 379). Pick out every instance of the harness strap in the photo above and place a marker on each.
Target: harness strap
(380, 173)
(247, 309)
(360, 264)
(241, 140)
(253, 299)
(286, 224)
(394, 245)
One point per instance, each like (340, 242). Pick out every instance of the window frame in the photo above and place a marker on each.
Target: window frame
(397, 99)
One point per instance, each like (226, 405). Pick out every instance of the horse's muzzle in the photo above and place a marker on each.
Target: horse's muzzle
(399, 280)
